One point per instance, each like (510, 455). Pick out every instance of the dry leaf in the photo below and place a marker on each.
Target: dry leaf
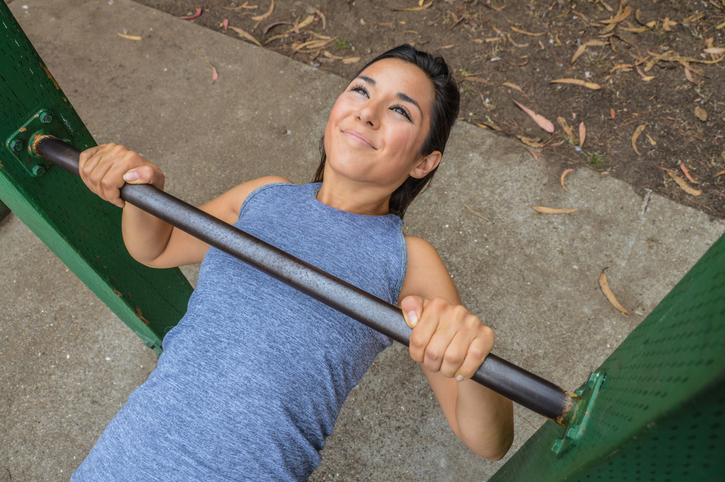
(259, 18)
(536, 155)
(130, 37)
(688, 75)
(604, 285)
(532, 142)
(722, 25)
(667, 23)
(578, 52)
(246, 5)
(225, 24)
(683, 185)
(701, 113)
(625, 67)
(414, 9)
(191, 17)
(513, 86)
(588, 85)
(636, 134)
(545, 210)
(611, 111)
(244, 34)
(619, 17)
(472, 78)
(715, 51)
(540, 120)
(215, 74)
(568, 130)
(563, 175)
(350, 60)
(527, 33)
(582, 134)
(687, 173)
(720, 173)
(651, 141)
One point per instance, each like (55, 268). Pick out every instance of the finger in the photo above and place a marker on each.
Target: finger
(424, 330)
(87, 154)
(412, 307)
(108, 177)
(456, 353)
(446, 349)
(477, 352)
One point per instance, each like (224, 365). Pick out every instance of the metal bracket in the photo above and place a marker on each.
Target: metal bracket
(587, 397)
(20, 144)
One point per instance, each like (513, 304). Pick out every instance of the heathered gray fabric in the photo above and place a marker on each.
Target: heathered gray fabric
(253, 377)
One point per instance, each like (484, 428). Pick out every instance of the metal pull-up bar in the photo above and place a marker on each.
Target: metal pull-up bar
(517, 384)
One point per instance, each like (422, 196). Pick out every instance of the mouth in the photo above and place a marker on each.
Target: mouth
(359, 138)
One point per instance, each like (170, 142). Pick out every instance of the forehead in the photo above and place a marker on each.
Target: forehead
(401, 77)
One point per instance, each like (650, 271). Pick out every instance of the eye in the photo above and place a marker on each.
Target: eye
(402, 111)
(360, 90)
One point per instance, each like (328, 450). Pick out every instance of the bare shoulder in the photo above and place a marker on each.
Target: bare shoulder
(426, 275)
(227, 206)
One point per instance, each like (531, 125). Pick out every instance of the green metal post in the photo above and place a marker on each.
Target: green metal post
(83, 231)
(660, 411)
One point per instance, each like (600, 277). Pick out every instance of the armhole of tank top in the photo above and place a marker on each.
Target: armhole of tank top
(403, 262)
(257, 191)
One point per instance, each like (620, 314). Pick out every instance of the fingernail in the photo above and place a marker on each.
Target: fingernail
(130, 176)
(459, 378)
(412, 318)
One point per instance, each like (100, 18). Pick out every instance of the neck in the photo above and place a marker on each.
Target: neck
(354, 199)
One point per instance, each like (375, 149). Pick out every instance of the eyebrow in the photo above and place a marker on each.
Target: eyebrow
(399, 95)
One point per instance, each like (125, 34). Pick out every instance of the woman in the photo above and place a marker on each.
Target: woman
(253, 377)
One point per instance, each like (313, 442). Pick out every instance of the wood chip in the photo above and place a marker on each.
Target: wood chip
(588, 85)
(563, 175)
(683, 185)
(604, 285)
(636, 134)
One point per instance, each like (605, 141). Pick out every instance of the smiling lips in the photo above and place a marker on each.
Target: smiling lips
(359, 137)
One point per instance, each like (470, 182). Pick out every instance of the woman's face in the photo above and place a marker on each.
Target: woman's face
(378, 125)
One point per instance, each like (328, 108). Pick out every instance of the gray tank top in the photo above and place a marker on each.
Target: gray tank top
(253, 377)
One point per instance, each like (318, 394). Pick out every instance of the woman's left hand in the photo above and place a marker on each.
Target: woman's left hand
(446, 338)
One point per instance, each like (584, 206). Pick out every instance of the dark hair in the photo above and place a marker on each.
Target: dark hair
(444, 112)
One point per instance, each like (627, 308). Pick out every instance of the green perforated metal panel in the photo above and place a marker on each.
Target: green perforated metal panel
(660, 413)
(83, 231)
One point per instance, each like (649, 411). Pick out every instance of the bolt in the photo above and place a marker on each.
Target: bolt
(46, 118)
(38, 171)
(16, 145)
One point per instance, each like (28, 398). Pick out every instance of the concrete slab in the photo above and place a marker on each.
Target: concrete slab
(67, 364)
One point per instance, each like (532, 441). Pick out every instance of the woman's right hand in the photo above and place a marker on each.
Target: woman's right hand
(106, 168)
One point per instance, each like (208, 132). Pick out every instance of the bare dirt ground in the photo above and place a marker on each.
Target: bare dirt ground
(634, 89)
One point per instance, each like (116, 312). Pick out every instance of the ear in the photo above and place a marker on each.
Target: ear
(426, 164)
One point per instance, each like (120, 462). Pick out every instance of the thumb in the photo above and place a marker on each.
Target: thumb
(412, 307)
(140, 175)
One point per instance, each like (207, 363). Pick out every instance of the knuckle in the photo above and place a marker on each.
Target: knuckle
(453, 358)
(417, 340)
(432, 354)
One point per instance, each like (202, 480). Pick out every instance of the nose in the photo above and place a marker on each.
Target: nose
(368, 114)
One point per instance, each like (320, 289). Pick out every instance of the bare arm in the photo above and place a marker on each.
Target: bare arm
(148, 239)
(450, 344)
